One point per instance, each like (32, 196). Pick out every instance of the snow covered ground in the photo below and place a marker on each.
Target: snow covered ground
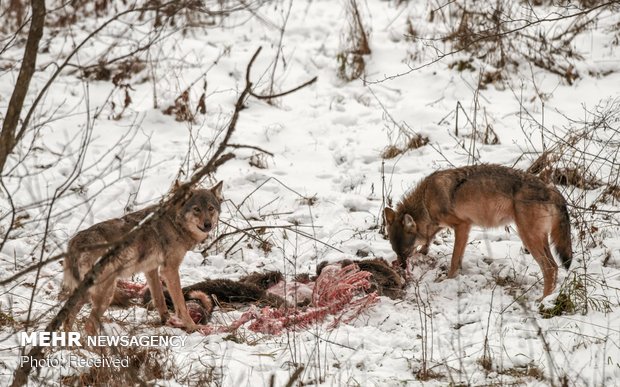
(325, 184)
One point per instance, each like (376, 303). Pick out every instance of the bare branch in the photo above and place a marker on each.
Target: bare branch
(250, 147)
(286, 92)
(32, 268)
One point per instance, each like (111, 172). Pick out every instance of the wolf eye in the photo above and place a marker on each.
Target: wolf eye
(196, 209)
(211, 208)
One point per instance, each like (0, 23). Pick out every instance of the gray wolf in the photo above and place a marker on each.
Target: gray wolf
(156, 250)
(483, 195)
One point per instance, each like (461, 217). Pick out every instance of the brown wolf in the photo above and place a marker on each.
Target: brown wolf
(157, 249)
(488, 196)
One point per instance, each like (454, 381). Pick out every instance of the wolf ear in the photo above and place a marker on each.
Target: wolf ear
(217, 191)
(389, 215)
(409, 224)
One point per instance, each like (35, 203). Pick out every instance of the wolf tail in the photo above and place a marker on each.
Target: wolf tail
(71, 273)
(560, 231)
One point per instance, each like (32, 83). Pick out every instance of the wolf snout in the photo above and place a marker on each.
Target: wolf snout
(206, 227)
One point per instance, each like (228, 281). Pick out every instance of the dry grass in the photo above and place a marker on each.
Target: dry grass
(585, 158)
(526, 372)
(258, 160)
(309, 200)
(577, 296)
(413, 142)
(6, 320)
(496, 36)
(146, 365)
(426, 375)
(391, 151)
(547, 167)
(355, 46)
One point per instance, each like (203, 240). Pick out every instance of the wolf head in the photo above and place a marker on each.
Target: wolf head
(402, 233)
(199, 215)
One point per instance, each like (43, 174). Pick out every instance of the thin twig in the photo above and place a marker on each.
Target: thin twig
(251, 147)
(32, 268)
(285, 92)
(12, 222)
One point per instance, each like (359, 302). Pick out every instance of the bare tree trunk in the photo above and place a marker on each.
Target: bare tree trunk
(8, 139)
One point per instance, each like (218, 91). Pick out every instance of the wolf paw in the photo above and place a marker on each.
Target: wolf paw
(165, 318)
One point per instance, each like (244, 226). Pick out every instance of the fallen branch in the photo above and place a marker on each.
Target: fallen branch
(285, 92)
(250, 147)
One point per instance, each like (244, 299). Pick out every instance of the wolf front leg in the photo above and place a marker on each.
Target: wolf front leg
(157, 294)
(461, 233)
(173, 281)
